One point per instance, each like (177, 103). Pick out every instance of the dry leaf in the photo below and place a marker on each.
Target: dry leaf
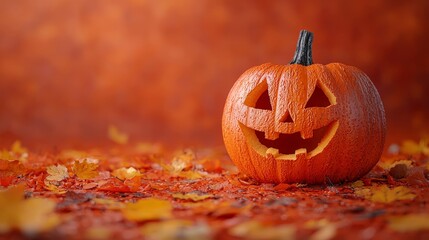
(147, 209)
(390, 163)
(98, 233)
(411, 147)
(57, 173)
(109, 203)
(192, 196)
(192, 175)
(28, 215)
(85, 170)
(325, 229)
(383, 194)
(16, 152)
(18, 148)
(175, 229)
(126, 173)
(409, 223)
(53, 188)
(182, 160)
(117, 136)
(256, 230)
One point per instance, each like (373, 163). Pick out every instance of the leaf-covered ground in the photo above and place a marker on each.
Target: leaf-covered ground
(141, 190)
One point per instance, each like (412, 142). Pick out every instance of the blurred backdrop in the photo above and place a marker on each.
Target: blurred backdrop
(161, 70)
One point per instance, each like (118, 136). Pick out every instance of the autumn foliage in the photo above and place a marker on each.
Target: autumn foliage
(140, 190)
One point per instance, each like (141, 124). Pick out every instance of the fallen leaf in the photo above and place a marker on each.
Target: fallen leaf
(53, 188)
(409, 223)
(176, 229)
(181, 161)
(98, 233)
(109, 203)
(191, 175)
(113, 185)
(126, 173)
(325, 229)
(85, 170)
(18, 148)
(384, 194)
(117, 136)
(57, 173)
(390, 163)
(255, 230)
(147, 209)
(90, 185)
(16, 152)
(192, 196)
(412, 147)
(358, 183)
(27, 215)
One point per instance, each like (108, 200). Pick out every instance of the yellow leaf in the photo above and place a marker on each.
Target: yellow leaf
(17, 152)
(53, 188)
(192, 175)
(109, 203)
(27, 215)
(98, 233)
(57, 173)
(386, 195)
(411, 147)
(181, 161)
(192, 196)
(85, 170)
(409, 223)
(387, 165)
(358, 183)
(148, 209)
(325, 229)
(117, 136)
(383, 194)
(175, 229)
(255, 230)
(18, 148)
(126, 173)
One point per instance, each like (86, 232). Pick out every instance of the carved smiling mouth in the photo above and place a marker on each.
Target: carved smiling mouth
(289, 146)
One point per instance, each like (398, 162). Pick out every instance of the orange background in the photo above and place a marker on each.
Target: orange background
(161, 70)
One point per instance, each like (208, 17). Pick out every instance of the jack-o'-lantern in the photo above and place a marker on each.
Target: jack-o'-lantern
(304, 122)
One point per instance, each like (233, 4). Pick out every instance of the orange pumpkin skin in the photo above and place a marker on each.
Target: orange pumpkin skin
(343, 135)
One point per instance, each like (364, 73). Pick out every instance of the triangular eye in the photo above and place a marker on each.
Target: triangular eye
(259, 97)
(319, 98)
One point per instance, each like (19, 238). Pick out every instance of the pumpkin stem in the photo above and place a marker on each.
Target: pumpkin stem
(303, 49)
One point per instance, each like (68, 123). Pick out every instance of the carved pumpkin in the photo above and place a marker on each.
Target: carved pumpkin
(304, 122)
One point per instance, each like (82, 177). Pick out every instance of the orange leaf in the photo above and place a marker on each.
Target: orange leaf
(28, 215)
(117, 136)
(192, 196)
(409, 223)
(85, 170)
(126, 173)
(384, 194)
(147, 209)
(255, 230)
